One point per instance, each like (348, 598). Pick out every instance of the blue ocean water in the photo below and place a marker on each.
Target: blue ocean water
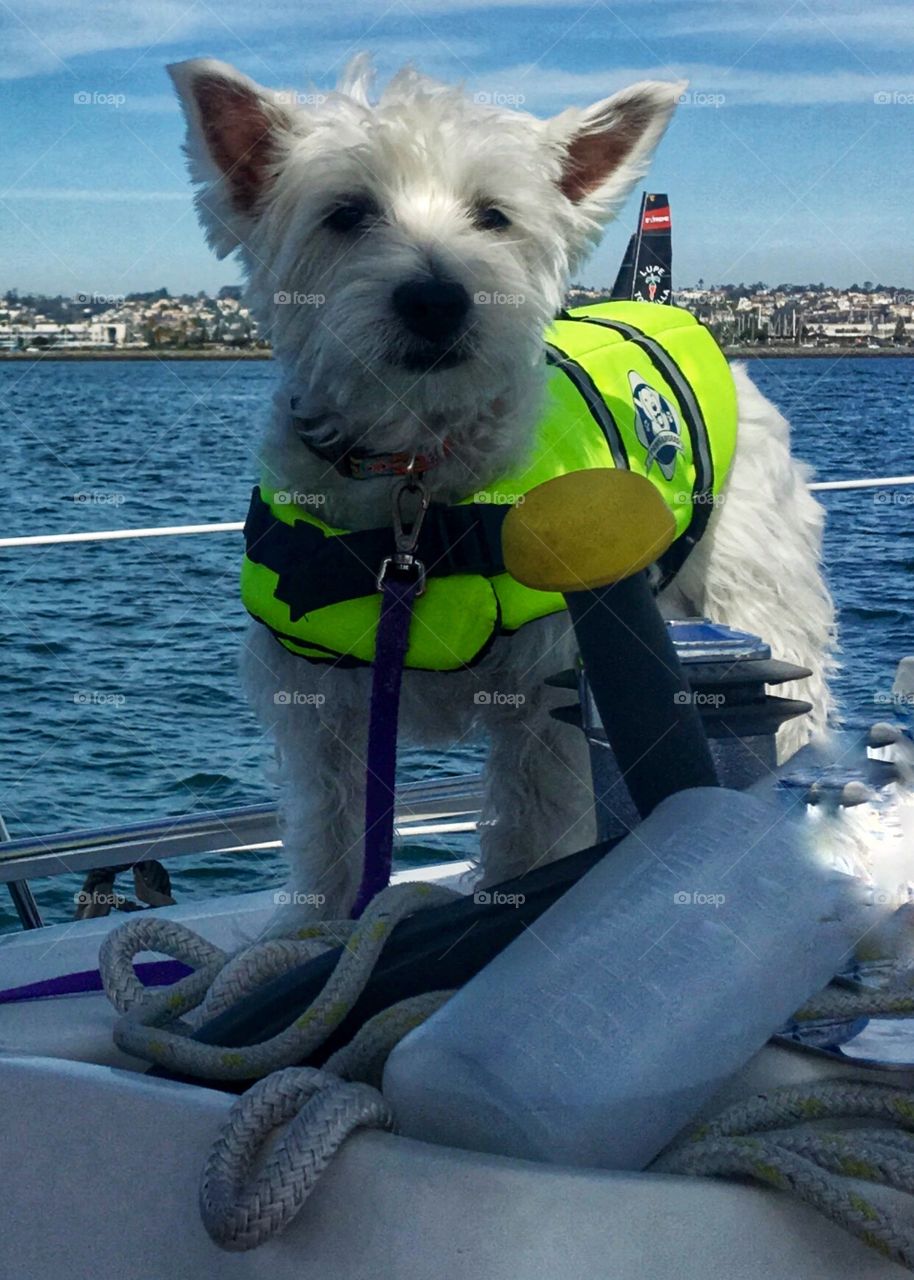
(120, 699)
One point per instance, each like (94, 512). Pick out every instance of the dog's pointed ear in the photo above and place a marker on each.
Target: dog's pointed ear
(236, 135)
(607, 147)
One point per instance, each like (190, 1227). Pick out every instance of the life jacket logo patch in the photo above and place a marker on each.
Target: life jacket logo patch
(657, 426)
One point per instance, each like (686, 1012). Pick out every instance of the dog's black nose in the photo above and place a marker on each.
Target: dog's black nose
(432, 309)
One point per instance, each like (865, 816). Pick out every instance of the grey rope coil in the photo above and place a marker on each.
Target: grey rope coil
(151, 1025)
(842, 1002)
(319, 1108)
(320, 1111)
(754, 1139)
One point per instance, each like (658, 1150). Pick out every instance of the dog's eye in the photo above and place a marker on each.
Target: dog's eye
(350, 214)
(489, 218)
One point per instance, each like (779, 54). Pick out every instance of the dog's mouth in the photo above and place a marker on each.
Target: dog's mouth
(429, 357)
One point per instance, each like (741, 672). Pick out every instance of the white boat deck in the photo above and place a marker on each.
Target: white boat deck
(101, 1165)
(101, 1170)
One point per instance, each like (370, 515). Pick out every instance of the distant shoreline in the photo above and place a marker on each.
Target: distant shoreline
(140, 353)
(813, 353)
(248, 353)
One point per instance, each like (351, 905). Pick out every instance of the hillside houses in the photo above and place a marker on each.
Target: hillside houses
(149, 321)
(810, 316)
(813, 317)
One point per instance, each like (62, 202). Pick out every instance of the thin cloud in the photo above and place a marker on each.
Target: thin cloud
(885, 26)
(101, 196)
(550, 89)
(57, 36)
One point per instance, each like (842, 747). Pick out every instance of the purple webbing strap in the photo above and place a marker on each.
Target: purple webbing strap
(397, 598)
(152, 973)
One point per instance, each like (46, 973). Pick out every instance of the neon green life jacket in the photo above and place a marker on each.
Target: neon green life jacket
(630, 384)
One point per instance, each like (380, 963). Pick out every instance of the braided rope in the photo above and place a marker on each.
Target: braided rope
(252, 967)
(319, 1109)
(363, 1058)
(151, 1026)
(149, 932)
(843, 1002)
(747, 1140)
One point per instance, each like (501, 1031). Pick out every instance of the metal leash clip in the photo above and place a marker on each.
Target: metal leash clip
(403, 562)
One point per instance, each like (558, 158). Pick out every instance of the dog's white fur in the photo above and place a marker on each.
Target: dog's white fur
(269, 167)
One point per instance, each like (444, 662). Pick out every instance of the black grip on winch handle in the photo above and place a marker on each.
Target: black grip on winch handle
(641, 691)
(438, 948)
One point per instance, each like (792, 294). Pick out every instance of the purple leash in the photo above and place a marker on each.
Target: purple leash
(154, 973)
(400, 581)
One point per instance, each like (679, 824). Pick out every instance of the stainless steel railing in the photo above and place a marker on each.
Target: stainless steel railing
(436, 807)
(439, 805)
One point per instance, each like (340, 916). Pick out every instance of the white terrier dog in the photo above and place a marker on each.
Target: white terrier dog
(331, 196)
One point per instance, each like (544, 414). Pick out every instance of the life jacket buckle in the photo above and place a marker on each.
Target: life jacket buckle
(402, 566)
(407, 526)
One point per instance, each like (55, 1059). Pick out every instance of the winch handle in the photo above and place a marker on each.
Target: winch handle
(591, 535)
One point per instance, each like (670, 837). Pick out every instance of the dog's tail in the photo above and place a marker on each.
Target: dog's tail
(758, 566)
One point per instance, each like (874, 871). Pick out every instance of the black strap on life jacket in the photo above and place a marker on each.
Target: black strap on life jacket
(317, 569)
(590, 393)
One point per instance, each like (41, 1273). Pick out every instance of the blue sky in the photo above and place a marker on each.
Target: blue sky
(792, 161)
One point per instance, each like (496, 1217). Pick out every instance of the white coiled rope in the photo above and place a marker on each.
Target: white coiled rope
(758, 1139)
(318, 1109)
(321, 1108)
(152, 1026)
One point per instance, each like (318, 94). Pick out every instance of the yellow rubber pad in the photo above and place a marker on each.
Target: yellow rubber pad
(586, 529)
